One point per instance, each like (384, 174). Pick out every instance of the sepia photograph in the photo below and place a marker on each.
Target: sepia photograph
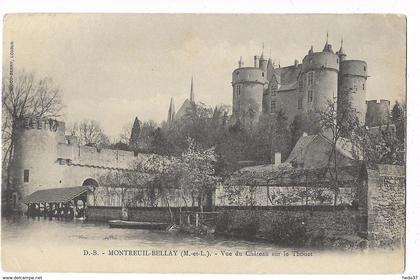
(204, 143)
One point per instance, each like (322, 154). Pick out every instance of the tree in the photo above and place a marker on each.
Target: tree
(384, 144)
(90, 133)
(159, 143)
(398, 119)
(337, 124)
(198, 178)
(271, 135)
(142, 135)
(24, 96)
(135, 135)
(305, 122)
(124, 184)
(379, 145)
(166, 172)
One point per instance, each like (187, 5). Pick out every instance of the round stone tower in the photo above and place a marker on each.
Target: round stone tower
(35, 155)
(377, 112)
(352, 86)
(319, 78)
(248, 87)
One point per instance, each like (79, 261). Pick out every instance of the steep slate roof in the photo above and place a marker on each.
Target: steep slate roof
(291, 86)
(182, 111)
(287, 77)
(55, 195)
(289, 74)
(344, 147)
(300, 148)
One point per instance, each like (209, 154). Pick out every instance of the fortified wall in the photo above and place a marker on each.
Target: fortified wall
(46, 158)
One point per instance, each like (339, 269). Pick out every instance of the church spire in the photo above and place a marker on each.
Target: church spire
(171, 112)
(192, 90)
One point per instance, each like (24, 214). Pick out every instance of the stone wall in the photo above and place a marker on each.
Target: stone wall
(140, 214)
(385, 205)
(282, 196)
(293, 225)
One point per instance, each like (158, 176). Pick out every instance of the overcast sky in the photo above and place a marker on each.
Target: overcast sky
(114, 67)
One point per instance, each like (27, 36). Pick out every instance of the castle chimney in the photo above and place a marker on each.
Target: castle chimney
(296, 63)
(240, 63)
(255, 61)
(277, 158)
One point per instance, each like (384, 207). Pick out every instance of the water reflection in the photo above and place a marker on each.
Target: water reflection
(87, 234)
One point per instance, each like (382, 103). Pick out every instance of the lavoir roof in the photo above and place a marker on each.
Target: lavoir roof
(55, 195)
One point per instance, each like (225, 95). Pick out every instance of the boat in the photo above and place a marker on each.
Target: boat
(137, 225)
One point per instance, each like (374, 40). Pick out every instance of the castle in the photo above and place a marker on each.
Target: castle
(302, 87)
(266, 89)
(47, 158)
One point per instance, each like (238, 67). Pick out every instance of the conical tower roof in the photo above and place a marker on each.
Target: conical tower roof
(341, 50)
(327, 46)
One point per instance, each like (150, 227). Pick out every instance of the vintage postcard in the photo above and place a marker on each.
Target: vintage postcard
(209, 143)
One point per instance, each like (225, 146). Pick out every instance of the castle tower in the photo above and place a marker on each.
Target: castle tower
(171, 111)
(319, 78)
(263, 62)
(248, 87)
(341, 54)
(377, 112)
(270, 69)
(35, 157)
(352, 86)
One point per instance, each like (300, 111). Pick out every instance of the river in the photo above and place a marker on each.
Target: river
(85, 234)
(75, 246)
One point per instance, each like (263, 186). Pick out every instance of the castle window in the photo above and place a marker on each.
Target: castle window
(363, 86)
(238, 90)
(273, 107)
(300, 84)
(310, 78)
(364, 68)
(273, 89)
(300, 102)
(262, 74)
(26, 175)
(310, 96)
